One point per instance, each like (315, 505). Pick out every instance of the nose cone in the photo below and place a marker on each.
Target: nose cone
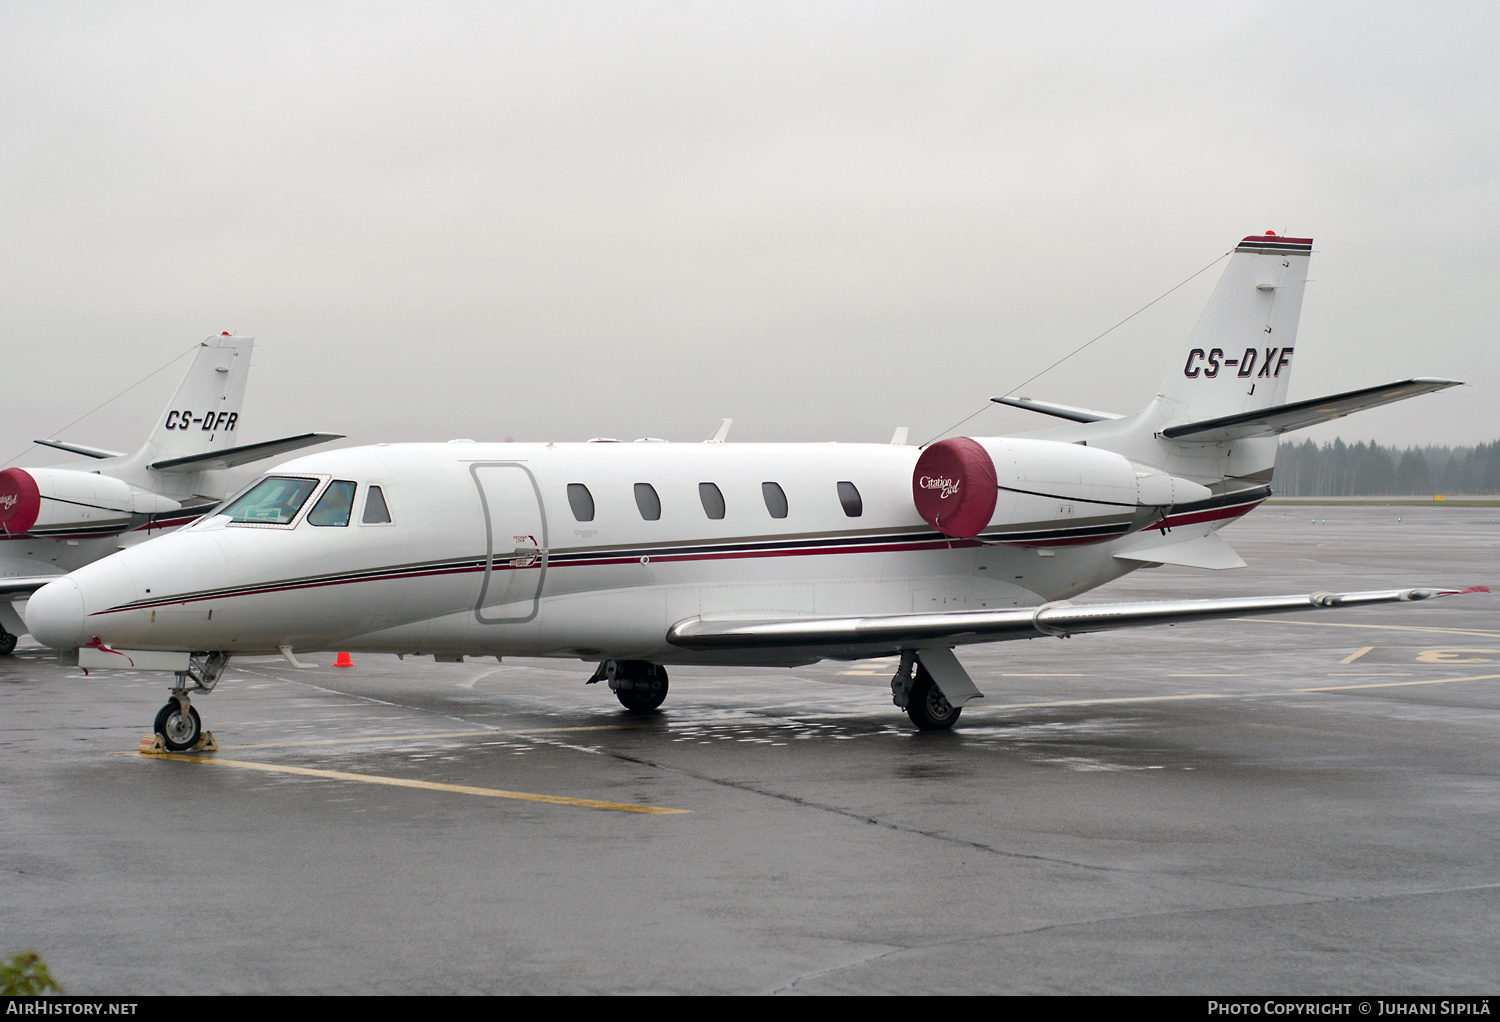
(54, 614)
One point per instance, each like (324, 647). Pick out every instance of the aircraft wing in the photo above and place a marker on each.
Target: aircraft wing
(1279, 419)
(229, 457)
(16, 586)
(72, 448)
(912, 631)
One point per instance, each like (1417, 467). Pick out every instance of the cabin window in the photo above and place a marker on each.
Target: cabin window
(581, 501)
(775, 498)
(713, 500)
(849, 497)
(376, 513)
(272, 501)
(335, 506)
(647, 500)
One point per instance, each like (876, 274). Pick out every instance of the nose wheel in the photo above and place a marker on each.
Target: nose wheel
(180, 727)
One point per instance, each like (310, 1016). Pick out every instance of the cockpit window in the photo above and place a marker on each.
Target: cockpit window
(376, 513)
(334, 507)
(272, 501)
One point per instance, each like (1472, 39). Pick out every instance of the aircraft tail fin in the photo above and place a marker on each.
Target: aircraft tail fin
(1239, 355)
(203, 415)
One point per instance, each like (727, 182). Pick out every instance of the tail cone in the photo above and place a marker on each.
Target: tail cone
(343, 661)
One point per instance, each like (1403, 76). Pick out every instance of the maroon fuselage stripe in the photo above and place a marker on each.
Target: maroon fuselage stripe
(1232, 511)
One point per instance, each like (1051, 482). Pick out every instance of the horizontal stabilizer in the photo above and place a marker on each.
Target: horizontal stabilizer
(869, 635)
(1278, 419)
(1061, 411)
(229, 457)
(1203, 552)
(87, 452)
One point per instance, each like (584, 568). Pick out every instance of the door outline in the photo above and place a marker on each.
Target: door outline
(489, 544)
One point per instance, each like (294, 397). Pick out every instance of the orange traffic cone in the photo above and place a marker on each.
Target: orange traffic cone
(343, 661)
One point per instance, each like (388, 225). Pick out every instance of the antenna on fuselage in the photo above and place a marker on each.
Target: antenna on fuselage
(898, 438)
(721, 434)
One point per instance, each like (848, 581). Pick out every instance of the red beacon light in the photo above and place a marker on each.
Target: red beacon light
(1270, 234)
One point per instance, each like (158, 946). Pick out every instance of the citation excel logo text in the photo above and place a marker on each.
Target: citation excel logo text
(1209, 363)
(948, 486)
(8, 500)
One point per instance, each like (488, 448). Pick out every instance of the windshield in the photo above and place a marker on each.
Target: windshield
(334, 506)
(272, 501)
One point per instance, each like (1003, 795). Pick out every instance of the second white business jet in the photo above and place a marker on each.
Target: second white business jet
(642, 555)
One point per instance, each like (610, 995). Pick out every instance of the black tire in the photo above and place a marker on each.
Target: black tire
(928, 709)
(7, 643)
(179, 731)
(648, 688)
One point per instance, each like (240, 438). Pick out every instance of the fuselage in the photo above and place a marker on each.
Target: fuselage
(594, 550)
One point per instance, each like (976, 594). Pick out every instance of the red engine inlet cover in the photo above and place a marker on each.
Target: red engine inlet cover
(954, 487)
(20, 501)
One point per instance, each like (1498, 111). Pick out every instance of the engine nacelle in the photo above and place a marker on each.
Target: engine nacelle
(962, 485)
(46, 500)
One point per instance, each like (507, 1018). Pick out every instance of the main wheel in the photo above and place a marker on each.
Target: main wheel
(7, 643)
(179, 731)
(648, 688)
(926, 705)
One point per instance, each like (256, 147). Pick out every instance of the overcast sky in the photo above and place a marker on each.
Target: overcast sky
(566, 220)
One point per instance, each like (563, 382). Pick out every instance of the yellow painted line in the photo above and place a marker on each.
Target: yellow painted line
(1398, 684)
(1392, 628)
(1350, 659)
(1208, 675)
(403, 782)
(436, 735)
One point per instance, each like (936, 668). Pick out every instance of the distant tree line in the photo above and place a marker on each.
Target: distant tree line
(1371, 470)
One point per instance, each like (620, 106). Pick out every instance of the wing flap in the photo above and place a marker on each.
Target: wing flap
(1280, 419)
(913, 631)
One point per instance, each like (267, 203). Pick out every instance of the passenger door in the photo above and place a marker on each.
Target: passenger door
(516, 544)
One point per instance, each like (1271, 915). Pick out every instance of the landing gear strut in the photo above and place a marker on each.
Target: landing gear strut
(639, 684)
(178, 722)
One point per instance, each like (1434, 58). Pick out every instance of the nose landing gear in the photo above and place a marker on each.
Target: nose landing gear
(178, 723)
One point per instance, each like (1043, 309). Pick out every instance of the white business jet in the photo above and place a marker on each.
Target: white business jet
(62, 517)
(642, 555)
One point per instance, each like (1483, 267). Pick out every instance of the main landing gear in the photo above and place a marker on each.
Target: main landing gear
(639, 684)
(914, 691)
(7, 643)
(178, 722)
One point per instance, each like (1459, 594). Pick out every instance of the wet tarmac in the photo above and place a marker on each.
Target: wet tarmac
(1294, 805)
